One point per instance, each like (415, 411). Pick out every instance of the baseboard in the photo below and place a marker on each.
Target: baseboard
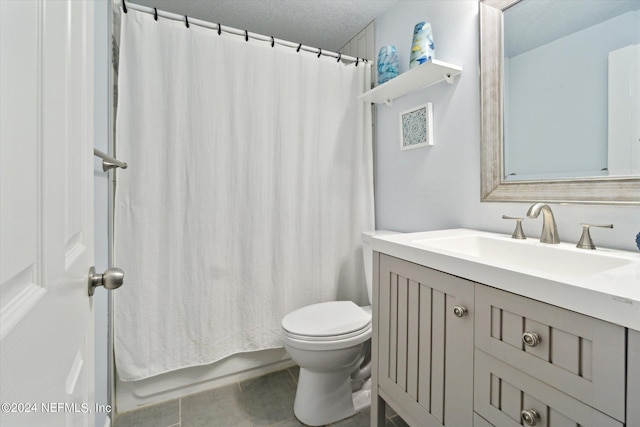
(130, 395)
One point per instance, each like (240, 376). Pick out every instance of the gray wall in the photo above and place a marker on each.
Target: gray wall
(439, 187)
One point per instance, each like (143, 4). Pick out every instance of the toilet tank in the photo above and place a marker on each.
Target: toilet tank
(367, 254)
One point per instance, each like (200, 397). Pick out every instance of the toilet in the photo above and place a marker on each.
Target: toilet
(330, 343)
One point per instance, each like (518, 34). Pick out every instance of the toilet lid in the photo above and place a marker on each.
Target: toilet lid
(326, 319)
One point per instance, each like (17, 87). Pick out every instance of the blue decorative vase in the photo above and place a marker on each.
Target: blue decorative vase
(422, 48)
(387, 64)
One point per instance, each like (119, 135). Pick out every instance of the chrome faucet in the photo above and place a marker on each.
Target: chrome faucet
(549, 229)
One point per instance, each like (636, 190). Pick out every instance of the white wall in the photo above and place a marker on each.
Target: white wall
(439, 187)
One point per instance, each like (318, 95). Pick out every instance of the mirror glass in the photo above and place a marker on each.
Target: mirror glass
(571, 89)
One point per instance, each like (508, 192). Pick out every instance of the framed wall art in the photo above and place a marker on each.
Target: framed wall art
(416, 127)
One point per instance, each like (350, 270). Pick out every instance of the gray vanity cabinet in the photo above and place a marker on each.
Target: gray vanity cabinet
(423, 348)
(576, 354)
(447, 351)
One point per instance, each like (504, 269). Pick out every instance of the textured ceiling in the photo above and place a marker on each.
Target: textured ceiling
(326, 24)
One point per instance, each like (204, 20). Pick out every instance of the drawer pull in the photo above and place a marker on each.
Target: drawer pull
(530, 417)
(459, 311)
(531, 339)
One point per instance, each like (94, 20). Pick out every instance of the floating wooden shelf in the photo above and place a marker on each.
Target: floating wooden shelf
(424, 75)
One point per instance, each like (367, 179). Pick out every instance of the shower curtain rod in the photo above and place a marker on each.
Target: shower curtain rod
(244, 33)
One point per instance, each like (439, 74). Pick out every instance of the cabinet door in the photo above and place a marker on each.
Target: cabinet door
(577, 354)
(633, 378)
(478, 421)
(425, 351)
(503, 392)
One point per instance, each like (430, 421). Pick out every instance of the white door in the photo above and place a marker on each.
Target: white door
(624, 111)
(46, 213)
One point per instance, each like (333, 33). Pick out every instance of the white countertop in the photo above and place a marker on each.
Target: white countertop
(612, 295)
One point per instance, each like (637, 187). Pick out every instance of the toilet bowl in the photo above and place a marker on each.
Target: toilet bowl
(329, 342)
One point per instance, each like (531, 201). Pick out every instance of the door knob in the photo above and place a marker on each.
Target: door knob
(112, 278)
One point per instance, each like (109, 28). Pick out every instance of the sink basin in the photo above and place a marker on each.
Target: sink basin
(546, 259)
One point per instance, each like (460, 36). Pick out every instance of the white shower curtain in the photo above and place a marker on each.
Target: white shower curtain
(249, 182)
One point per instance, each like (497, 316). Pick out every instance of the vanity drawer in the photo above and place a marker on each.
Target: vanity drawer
(577, 354)
(502, 393)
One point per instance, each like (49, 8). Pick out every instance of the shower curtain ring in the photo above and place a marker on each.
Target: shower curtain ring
(219, 29)
(357, 60)
(124, 6)
(186, 21)
(319, 52)
(246, 35)
(299, 46)
(272, 41)
(339, 56)
(155, 13)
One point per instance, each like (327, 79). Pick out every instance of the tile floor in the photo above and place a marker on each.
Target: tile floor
(263, 401)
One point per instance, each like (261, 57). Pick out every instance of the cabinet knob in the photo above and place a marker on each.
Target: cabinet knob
(530, 417)
(459, 310)
(531, 339)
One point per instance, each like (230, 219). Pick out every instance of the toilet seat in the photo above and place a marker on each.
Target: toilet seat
(327, 337)
(327, 326)
(328, 344)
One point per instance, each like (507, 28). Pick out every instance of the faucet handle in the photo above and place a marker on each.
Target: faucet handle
(518, 233)
(585, 240)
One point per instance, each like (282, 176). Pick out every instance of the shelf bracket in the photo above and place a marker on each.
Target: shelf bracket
(448, 78)
(388, 102)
